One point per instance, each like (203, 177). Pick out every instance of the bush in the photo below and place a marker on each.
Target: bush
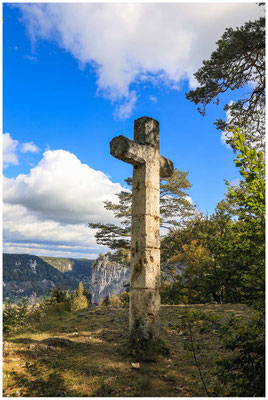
(114, 301)
(105, 301)
(59, 301)
(22, 311)
(79, 303)
(124, 298)
(35, 313)
(243, 373)
(9, 317)
(78, 299)
(14, 315)
(171, 293)
(87, 294)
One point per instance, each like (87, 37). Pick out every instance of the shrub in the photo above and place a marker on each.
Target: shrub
(79, 302)
(114, 301)
(124, 298)
(36, 313)
(22, 311)
(59, 301)
(87, 294)
(14, 315)
(78, 299)
(105, 301)
(171, 293)
(9, 317)
(243, 373)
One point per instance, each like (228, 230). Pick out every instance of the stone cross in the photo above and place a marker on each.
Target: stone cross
(143, 154)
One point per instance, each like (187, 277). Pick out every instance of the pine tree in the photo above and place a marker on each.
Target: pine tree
(238, 61)
(174, 208)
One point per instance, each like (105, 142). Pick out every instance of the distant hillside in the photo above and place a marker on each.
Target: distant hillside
(77, 268)
(32, 276)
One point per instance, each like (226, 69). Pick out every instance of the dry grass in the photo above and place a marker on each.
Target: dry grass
(84, 354)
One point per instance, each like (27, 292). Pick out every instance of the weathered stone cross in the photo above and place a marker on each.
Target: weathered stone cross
(143, 154)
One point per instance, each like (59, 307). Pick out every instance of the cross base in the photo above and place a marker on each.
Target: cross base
(144, 321)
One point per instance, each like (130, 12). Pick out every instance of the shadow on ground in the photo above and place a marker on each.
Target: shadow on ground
(85, 354)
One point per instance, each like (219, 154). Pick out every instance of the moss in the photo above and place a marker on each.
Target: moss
(147, 348)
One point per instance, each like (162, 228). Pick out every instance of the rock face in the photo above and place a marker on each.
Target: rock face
(107, 278)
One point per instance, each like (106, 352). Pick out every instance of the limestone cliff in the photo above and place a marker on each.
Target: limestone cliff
(107, 278)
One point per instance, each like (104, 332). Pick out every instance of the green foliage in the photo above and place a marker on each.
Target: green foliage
(241, 371)
(238, 60)
(115, 301)
(36, 275)
(189, 319)
(22, 310)
(9, 317)
(204, 250)
(124, 298)
(222, 255)
(174, 207)
(58, 301)
(14, 315)
(248, 202)
(57, 296)
(106, 301)
(146, 349)
(242, 374)
(87, 294)
(78, 299)
(77, 268)
(172, 293)
(223, 259)
(249, 197)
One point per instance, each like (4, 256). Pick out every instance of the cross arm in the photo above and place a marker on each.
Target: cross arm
(166, 167)
(127, 150)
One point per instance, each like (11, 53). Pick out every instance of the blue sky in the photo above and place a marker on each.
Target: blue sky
(75, 76)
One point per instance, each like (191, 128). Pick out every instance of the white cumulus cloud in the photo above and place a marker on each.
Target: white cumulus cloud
(61, 188)
(9, 150)
(12, 148)
(25, 232)
(47, 211)
(134, 42)
(29, 147)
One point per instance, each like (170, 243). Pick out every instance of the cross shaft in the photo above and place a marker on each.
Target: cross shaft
(143, 154)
